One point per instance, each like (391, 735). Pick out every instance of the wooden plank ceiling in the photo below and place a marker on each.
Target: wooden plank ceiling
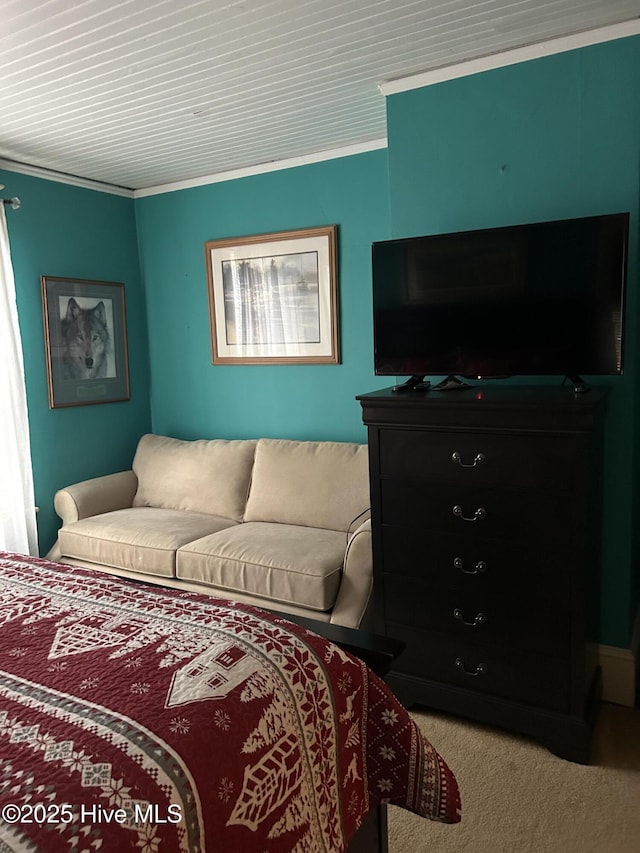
(142, 93)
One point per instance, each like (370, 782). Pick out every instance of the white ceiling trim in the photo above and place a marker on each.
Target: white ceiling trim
(274, 166)
(511, 57)
(61, 178)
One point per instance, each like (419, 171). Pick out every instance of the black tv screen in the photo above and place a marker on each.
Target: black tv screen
(536, 299)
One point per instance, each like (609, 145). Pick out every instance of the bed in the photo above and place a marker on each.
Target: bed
(138, 718)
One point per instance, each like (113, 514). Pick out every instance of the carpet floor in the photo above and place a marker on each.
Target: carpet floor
(517, 797)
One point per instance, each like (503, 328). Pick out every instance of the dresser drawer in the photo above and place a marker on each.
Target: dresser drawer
(522, 622)
(504, 513)
(480, 458)
(507, 672)
(491, 566)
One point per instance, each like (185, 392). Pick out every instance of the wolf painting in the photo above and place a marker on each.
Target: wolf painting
(86, 341)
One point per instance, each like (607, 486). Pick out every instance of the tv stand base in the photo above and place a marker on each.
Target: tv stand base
(452, 383)
(414, 383)
(579, 385)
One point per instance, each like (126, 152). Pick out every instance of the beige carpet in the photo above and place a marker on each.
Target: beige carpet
(519, 798)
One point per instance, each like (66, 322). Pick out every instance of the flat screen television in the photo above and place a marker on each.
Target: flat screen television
(539, 299)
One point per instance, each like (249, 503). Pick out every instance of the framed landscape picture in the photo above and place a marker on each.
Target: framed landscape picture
(85, 335)
(273, 298)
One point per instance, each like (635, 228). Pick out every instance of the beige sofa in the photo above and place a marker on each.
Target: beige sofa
(277, 523)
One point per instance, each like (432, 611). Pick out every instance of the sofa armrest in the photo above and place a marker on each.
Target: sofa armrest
(355, 590)
(95, 496)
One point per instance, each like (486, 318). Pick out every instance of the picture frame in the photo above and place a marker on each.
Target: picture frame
(85, 333)
(273, 298)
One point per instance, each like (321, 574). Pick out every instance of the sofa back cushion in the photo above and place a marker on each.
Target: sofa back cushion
(210, 477)
(311, 483)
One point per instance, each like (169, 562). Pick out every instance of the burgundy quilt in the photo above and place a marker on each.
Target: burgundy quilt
(139, 719)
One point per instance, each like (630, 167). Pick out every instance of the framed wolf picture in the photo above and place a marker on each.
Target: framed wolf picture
(85, 334)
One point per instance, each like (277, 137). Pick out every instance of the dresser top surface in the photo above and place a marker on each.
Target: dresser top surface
(490, 395)
(521, 407)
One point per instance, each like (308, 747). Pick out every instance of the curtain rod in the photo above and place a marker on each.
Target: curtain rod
(14, 202)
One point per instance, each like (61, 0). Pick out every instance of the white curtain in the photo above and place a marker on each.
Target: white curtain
(18, 531)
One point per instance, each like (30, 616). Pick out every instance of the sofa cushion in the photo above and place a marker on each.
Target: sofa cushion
(198, 476)
(314, 483)
(299, 565)
(144, 539)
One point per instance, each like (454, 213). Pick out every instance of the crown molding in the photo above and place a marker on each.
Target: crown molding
(511, 57)
(273, 166)
(262, 168)
(63, 178)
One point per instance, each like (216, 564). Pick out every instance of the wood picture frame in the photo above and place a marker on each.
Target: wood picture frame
(273, 298)
(85, 333)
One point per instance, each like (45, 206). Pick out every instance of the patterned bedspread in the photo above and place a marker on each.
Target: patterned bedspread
(136, 718)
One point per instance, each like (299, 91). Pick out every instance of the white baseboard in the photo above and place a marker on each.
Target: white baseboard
(618, 675)
(621, 669)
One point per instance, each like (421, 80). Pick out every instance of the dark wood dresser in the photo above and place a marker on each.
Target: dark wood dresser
(485, 507)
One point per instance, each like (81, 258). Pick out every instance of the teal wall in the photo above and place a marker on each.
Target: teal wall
(191, 397)
(62, 230)
(547, 139)
(551, 138)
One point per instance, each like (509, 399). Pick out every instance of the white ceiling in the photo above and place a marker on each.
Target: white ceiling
(144, 93)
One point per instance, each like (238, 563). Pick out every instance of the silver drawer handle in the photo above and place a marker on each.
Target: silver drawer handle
(478, 515)
(479, 567)
(480, 669)
(456, 458)
(478, 620)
